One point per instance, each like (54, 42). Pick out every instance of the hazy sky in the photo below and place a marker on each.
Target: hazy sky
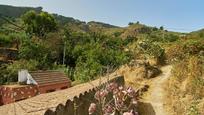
(177, 15)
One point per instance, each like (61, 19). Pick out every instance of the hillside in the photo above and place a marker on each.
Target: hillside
(16, 12)
(131, 31)
(39, 40)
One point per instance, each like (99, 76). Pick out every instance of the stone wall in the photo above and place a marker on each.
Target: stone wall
(1, 101)
(12, 94)
(53, 87)
(79, 105)
(9, 94)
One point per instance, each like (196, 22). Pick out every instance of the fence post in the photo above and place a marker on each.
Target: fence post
(60, 110)
(49, 112)
(69, 108)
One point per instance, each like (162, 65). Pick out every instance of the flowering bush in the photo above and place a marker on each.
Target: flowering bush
(114, 100)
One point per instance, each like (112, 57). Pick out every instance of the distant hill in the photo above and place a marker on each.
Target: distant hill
(197, 34)
(132, 31)
(15, 12)
(93, 23)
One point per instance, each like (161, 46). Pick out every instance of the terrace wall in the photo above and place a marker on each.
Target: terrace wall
(1, 102)
(53, 87)
(79, 105)
(12, 94)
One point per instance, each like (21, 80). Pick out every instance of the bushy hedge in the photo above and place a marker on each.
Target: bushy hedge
(184, 48)
(151, 50)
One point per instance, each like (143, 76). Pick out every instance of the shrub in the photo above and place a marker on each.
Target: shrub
(184, 48)
(9, 73)
(152, 50)
(171, 38)
(86, 71)
(175, 53)
(4, 39)
(193, 109)
(193, 47)
(36, 51)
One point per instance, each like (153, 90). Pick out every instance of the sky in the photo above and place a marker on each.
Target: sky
(174, 15)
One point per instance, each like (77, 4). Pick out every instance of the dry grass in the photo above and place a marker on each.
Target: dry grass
(185, 87)
(132, 77)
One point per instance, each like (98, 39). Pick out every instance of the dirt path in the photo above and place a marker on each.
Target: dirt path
(153, 99)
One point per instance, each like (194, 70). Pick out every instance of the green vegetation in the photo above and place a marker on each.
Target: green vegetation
(83, 51)
(39, 24)
(90, 54)
(9, 72)
(151, 49)
(186, 86)
(45, 44)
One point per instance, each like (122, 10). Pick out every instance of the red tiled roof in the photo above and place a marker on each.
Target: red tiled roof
(49, 77)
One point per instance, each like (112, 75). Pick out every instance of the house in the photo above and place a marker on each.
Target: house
(34, 83)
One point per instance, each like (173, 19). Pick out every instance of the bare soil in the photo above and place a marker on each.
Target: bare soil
(153, 102)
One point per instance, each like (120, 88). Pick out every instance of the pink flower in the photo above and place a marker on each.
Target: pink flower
(121, 88)
(119, 103)
(124, 92)
(131, 92)
(115, 91)
(128, 113)
(108, 110)
(99, 95)
(92, 108)
(131, 113)
(134, 101)
(111, 87)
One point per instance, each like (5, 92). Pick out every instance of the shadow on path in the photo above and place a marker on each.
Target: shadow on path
(145, 109)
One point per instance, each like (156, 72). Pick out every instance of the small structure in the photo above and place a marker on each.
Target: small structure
(35, 82)
(12, 93)
(49, 81)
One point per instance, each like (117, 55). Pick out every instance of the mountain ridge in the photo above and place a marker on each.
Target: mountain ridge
(17, 11)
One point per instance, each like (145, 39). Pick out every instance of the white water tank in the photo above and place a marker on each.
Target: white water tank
(22, 75)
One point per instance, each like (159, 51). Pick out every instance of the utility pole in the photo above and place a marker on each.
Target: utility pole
(64, 52)
(163, 33)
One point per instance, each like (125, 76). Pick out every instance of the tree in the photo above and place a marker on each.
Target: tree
(39, 24)
(155, 29)
(36, 51)
(161, 28)
(130, 23)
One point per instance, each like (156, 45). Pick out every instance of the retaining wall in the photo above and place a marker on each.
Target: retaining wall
(12, 94)
(79, 105)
